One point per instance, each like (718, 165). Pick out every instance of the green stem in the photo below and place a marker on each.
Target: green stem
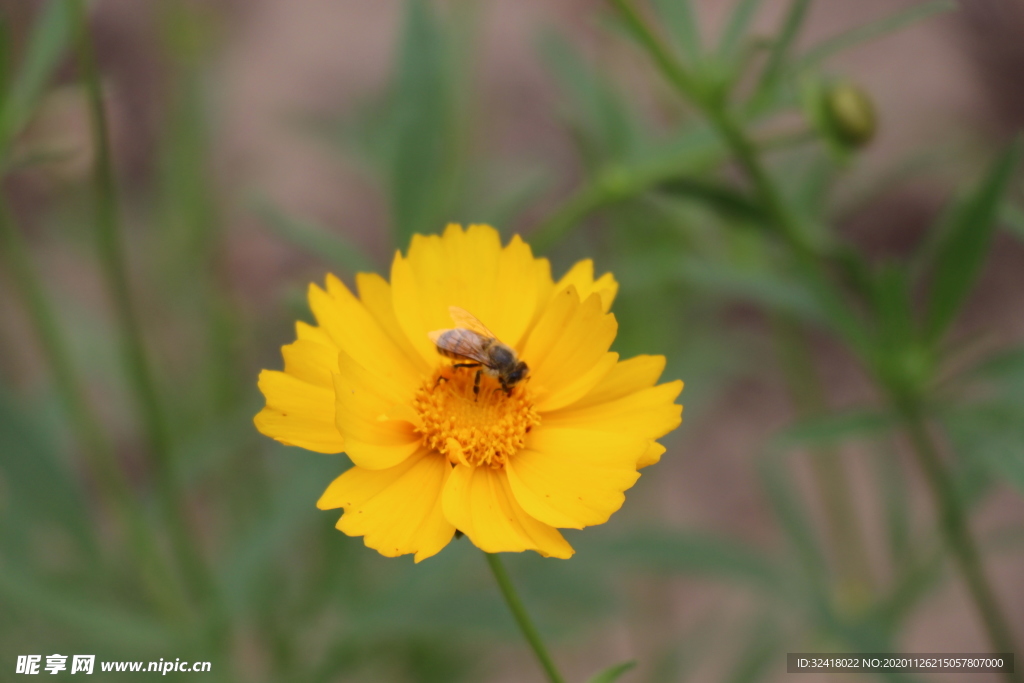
(157, 578)
(957, 534)
(508, 591)
(714, 108)
(115, 270)
(804, 384)
(618, 183)
(953, 519)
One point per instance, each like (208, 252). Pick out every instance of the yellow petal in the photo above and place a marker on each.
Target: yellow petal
(375, 293)
(651, 456)
(416, 302)
(569, 340)
(315, 334)
(573, 389)
(397, 511)
(528, 286)
(358, 334)
(372, 439)
(298, 413)
(628, 376)
(311, 362)
(581, 276)
(479, 502)
(574, 478)
(649, 413)
(469, 269)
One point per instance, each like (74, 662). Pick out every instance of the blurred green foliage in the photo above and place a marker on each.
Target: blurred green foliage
(219, 554)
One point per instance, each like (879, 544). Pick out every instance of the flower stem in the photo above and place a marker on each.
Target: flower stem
(953, 522)
(508, 591)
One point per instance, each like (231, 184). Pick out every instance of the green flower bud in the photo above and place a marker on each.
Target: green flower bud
(849, 114)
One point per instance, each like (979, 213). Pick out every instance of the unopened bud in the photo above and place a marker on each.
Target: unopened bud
(849, 113)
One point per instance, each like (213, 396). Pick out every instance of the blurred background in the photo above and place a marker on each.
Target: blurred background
(260, 144)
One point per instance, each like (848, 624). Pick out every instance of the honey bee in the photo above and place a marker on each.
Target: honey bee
(477, 347)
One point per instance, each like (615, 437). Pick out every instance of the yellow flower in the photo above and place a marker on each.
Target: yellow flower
(431, 455)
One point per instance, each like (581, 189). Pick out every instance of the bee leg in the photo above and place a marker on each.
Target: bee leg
(476, 385)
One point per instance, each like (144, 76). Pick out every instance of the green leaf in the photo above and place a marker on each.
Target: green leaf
(692, 554)
(862, 34)
(757, 284)
(754, 662)
(891, 480)
(992, 434)
(835, 428)
(739, 23)
(330, 247)
(717, 196)
(5, 53)
(612, 673)
(681, 23)
(98, 621)
(419, 162)
(795, 521)
(1013, 219)
(896, 329)
(915, 583)
(46, 44)
(782, 47)
(604, 124)
(39, 487)
(962, 252)
(1005, 369)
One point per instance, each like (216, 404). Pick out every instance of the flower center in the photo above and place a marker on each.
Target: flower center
(471, 428)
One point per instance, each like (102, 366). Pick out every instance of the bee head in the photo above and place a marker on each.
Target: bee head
(517, 374)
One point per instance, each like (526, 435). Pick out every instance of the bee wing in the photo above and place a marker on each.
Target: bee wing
(462, 343)
(467, 320)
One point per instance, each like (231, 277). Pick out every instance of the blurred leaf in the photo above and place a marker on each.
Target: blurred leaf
(892, 484)
(1006, 370)
(47, 42)
(795, 520)
(330, 247)
(680, 21)
(739, 23)
(892, 304)
(962, 249)
(419, 164)
(1013, 219)
(834, 428)
(875, 29)
(913, 585)
(993, 434)
(754, 662)
(516, 196)
(270, 535)
(97, 620)
(779, 54)
(756, 284)
(38, 483)
(606, 130)
(690, 553)
(612, 673)
(717, 196)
